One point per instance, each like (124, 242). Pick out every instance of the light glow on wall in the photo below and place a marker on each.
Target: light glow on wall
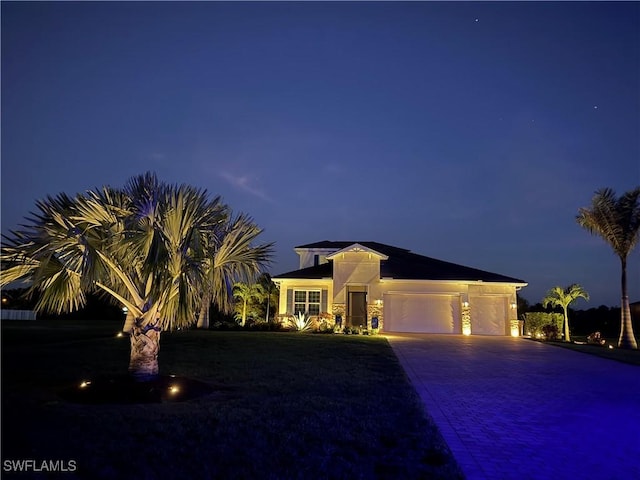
(466, 318)
(515, 328)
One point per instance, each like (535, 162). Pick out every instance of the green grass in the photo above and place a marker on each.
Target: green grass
(631, 357)
(284, 406)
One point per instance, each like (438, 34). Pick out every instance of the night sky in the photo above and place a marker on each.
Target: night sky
(468, 132)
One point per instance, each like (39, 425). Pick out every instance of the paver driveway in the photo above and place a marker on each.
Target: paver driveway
(511, 408)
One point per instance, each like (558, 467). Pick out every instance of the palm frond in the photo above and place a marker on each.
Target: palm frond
(563, 297)
(617, 221)
(236, 259)
(158, 249)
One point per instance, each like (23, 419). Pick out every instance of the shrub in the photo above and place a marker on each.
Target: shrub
(323, 323)
(550, 332)
(596, 339)
(300, 322)
(324, 327)
(225, 325)
(535, 321)
(263, 326)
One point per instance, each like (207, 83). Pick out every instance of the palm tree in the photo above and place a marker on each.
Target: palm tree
(267, 291)
(235, 258)
(245, 292)
(617, 221)
(147, 245)
(563, 297)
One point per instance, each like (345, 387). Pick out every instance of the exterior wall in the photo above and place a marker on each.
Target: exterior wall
(354, 268)
(423, 286)
(291, 285)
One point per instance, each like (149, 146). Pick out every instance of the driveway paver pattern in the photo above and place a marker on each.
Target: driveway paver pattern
(512, 408)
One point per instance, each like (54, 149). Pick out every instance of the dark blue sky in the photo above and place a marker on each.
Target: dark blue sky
(469, 132)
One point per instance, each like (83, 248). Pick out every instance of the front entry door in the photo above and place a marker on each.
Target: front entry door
(357, 314)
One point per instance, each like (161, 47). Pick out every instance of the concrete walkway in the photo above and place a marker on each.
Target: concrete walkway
(511, 408)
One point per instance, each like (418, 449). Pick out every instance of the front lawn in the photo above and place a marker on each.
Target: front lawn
(283, 406)
(620, 354)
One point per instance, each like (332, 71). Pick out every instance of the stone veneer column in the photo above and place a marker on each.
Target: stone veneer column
(466, 318)
(339, 309)
(374, 310)
(515, 327)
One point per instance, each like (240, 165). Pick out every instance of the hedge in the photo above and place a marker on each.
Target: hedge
(534, 321)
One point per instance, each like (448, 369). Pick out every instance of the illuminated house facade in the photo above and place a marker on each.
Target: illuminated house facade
(369, 284)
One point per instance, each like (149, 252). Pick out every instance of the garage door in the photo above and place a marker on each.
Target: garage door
(488, 315)
(421, 313)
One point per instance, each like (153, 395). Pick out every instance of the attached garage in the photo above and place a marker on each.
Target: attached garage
(489, 315)
(422, 313)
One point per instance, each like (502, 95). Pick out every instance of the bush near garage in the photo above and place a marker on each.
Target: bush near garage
(535, 323)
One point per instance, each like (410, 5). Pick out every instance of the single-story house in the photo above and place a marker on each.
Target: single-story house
(369, 285)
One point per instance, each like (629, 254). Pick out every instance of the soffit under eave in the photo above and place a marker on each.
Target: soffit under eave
(460, 282)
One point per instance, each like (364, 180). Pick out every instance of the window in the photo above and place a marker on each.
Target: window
(306, 302)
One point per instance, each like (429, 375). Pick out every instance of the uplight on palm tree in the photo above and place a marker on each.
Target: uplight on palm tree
(149, 245)
(267, 292)
(245, 293)
(563, 297)
(617, 221)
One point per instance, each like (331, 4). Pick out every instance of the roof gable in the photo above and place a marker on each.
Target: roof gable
(357, 247)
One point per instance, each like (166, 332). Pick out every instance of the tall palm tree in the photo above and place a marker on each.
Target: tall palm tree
(147, 245)
(617, 221)
(563, 297)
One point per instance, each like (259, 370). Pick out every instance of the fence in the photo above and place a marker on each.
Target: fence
(17, 314)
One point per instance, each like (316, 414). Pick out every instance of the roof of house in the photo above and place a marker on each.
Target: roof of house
(401, 264)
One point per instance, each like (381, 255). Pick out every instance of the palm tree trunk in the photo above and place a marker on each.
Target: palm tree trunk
(244, 312)
(268, 303)
(567, 336)
(203, 318)
(627, 339)
(145, 345)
